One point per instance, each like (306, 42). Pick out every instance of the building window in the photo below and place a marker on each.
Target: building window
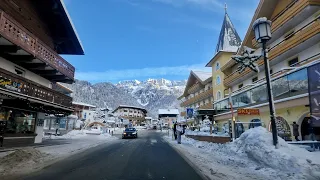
(217, 66)
(255, 79)
(271, 71)
(293, 62)
(218, 95)
(125, 110)
(218, 80)
(240, 86)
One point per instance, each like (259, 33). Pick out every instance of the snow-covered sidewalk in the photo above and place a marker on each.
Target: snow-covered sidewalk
(26, 160)
(252, 156)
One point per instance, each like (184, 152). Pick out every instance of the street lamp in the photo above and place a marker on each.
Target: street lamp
(262, 31)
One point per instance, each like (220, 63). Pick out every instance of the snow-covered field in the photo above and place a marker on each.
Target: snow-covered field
(32, 158)
(252, 156)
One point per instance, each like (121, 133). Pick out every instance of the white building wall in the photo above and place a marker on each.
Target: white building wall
(9, 66)
(88, 115)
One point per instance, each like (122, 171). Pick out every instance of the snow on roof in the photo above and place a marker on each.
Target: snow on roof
(83, 104)
(168, 111)
(202, 75)
(229, 39)
(133, 107)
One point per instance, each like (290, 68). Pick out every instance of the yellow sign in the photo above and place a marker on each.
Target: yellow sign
(248, 112)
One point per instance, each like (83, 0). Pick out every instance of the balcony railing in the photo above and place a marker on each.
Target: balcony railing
(206, 106)
(17, 34)
(292, 10)
(197, 98)
(194, 88)
(301, 35)
(18, 84)
(288, 85)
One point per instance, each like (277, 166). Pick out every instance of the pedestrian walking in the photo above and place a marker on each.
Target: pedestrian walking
(295, 128)
(179, 132)
(175, 131)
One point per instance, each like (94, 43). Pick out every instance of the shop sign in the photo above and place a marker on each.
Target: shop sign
(190, 112)
(248, 112)
(9, 84)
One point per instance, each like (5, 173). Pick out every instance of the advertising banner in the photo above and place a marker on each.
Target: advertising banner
(314, 93)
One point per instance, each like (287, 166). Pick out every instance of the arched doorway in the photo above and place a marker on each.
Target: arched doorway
(255, 123)
(283, 128)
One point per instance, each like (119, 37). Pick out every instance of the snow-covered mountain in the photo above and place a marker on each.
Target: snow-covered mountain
(152, 94)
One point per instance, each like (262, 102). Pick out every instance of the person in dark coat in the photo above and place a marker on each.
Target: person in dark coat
(310, 130)
(295, 128)
(175, 130)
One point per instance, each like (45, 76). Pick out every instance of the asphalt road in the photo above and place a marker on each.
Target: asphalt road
(148, 157)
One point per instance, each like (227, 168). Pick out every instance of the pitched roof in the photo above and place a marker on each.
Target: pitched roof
(168, 111)
(202, 75)
(131, 107)
(229, 39)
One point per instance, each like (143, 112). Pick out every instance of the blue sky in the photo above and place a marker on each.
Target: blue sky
(141, 39)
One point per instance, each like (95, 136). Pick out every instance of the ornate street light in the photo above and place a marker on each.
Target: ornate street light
(262, 31)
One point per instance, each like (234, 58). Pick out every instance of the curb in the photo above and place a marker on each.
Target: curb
(196, 168)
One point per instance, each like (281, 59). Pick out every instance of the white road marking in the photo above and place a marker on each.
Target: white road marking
(153, 141)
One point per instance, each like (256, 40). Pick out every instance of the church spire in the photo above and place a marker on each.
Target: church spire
(229, 39)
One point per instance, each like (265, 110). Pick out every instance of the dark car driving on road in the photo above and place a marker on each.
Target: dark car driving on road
(130, 133)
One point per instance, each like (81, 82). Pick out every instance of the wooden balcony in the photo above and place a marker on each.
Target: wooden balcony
(288, 13)
(206, 106)
(194, 88)
(204, 95)
(26, 88)
(301, 36)
(288, 18)
(23, 48)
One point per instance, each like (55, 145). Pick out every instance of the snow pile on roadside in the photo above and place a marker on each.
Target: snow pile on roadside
(252, 155)
(202, 133)
(140, 127)
(79, 134)
(257, 144)
(70, 135)
(21, 158)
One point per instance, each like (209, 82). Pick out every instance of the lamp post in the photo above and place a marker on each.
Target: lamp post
(262, 31)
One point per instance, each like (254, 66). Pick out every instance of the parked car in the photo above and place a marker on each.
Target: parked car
(130, 133)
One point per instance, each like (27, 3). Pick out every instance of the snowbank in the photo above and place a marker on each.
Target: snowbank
(201, 133)
(78, 134)
(140, 127)
(19, 159)
(257, 144)
(252, 156)
(27, 160)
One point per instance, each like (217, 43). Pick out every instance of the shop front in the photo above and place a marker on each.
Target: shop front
(20, 126)
(59, 124)
(22, 119)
